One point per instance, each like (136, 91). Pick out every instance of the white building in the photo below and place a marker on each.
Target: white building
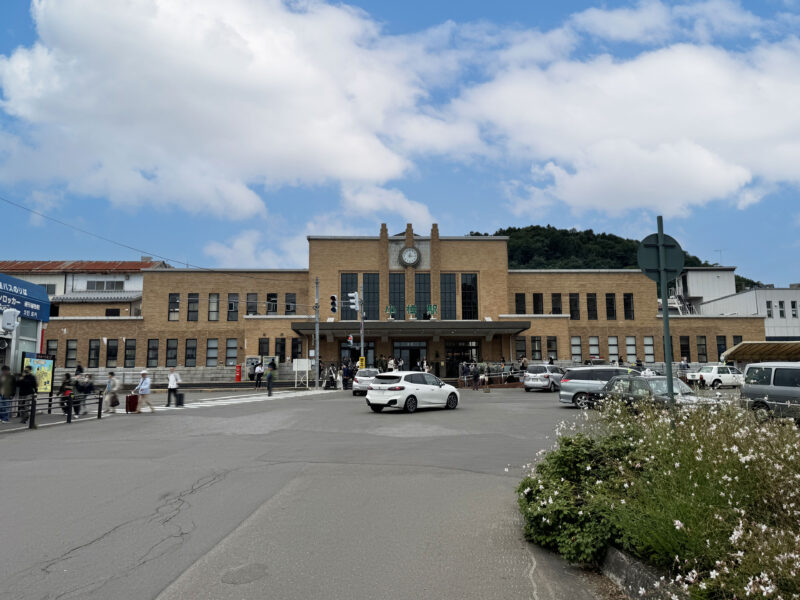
(697, 285)
(778, 306)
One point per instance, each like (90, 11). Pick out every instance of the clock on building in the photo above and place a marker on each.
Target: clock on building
(409, 256)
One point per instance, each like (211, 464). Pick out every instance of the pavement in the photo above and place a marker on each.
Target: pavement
(296, 496)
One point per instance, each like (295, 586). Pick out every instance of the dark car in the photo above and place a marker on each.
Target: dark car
(634, 389)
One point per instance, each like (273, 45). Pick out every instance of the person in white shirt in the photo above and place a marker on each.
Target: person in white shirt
(143, 389)
(172, 386)
(259, 374)
(390, 366)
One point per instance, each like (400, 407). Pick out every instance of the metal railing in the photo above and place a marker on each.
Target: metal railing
(26, 409)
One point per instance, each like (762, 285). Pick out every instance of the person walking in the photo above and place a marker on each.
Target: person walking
(259, 374)
(110, 399)
(88, 390)
(28, 386)
(390, 364)
(143, 389)
(172, 385)
(8, 387)
(475, 376)
(65, 392)
(271, 375)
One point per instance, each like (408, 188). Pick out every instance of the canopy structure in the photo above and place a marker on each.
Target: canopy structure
(748, 352)
(413, 328)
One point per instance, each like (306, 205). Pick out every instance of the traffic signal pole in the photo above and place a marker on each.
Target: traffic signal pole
(662, 263)
(316, 330)
(361, 306)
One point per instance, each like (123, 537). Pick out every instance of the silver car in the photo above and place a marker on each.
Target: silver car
(772, 388)
(578, 383)
(542, 377)
(362, 380)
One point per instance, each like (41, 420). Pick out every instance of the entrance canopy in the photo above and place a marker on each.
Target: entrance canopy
(748, 352)
(413, 328)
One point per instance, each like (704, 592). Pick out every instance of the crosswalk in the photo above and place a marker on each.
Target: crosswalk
(229, 400)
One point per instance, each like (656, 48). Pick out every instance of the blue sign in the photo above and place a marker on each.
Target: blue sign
(28, 298)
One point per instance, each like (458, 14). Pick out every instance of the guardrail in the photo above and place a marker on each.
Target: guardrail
(26, 409)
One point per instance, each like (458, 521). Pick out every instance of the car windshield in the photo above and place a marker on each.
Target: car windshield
(386, 379)
(367, 373)
(660, 386)
(536, 369)
(706, 370)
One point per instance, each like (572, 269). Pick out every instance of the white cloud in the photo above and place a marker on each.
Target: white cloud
(649, 21)
(365, 200)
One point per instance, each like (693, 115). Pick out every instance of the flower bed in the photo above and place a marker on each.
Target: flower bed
(711, 497)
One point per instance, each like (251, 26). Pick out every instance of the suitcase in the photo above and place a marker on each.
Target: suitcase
(131, 403)
(179, 399)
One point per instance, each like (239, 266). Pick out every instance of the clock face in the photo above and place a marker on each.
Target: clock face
(409, 256)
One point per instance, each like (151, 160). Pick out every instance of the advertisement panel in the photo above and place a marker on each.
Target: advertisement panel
(28, 298)
(42, 366)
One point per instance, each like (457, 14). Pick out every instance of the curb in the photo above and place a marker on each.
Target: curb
(631, 575)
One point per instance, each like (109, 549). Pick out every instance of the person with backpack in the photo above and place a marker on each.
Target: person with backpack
(65, 392)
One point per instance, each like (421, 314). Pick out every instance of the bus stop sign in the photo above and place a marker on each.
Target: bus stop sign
(649, 262)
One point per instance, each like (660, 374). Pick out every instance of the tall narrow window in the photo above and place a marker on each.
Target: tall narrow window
(213, 307)
(112, 349)
(649, 349)
(519, 303)
(769, 309)
(552, 347)
(152, 353)
(190, 356)
(72, 354)
(349, 284)
(611, 307)
(702, 351)
(291, 303)
(130, 353)
(272, 304)
(519, 348)
(297, 348)
(372, 296)
(630, 348)
(469, 296)
(538, 303)
(591, 307)
(613, 348)
(94, 354)
(447, 291)
(231, 352)
(252, 303)
(574, 307)
(575, 344)
(263, 346)
(722, 345)
(192, 306)
(397, 294)
(536, 347)
(52, 348)
(794, 309)
(594, 346)
(737, 339)
(212, 352)
(172, 353)
(686, 349)
(422, 294)
(781, 309)
(555, 304)
(233, 307)
(174, 310)
(280, 349)
(627, 301)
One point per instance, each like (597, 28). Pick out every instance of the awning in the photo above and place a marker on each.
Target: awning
(763, 352)
(413, 328)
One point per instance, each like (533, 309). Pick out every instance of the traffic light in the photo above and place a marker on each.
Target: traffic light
(350, 339)
(353, 300)
(334, 301)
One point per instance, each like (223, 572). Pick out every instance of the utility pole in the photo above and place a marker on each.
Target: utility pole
(316, 331)
(362, 323)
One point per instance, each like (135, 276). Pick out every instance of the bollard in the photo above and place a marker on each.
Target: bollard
(69, 408)
(32, 416)
(99, 407)
(50, 404)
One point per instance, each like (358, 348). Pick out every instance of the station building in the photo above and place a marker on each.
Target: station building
(445, 299)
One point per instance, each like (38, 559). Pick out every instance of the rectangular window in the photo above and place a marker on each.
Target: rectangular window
(52, 348)
(422, 294)
(297, 348)
(519, 348)
(627, 302)
(591, 307)
(519, 303)
(174, 308)
(613, 348)
(538, 304)
(397, 294)
(575, 345)
(192, 306)
(72, 354)
(536, 347)
(251, 306)
(611, 307)
(787, 378)
(594, 346)
(372, 296)
(686, 349)
(722, 345)
(105, 286)
(280, 349)
(702, 350)
(190, 358)
(469, 296)
(794, 309)
(272, 304)
(737, 339)
(213, 307)
(130, 353)
(152, 353)
(769, 309)
(50, 289)
(212, 352)
(552, 347)
(555, 304)
(447, 291)
(112, 312)
(291, 303)
(172, 353)
(781, 309)
(574, 306)
(94, 354)
(263, 346)
(349, 283)
(233, 307)
(112, 349)
(630, 348)
(231, 352)
(649, 349)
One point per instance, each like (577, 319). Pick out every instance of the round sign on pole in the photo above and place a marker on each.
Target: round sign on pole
(649, 261)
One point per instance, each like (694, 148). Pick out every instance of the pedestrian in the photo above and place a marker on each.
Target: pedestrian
(271, 375)
(259, 374)
(172, 385)
(78, 370)
(638, 363)
(345, 375)
(390, 365)
(400, 363)
(523, 363)
(65, 392)
(143, 389)
(27, 387)
(87, 390)
(8, 387)
(550, 362)
(110, 399)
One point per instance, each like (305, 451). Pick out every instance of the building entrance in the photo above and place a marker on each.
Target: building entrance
(352, 353)
(411, 353)
(460, 352)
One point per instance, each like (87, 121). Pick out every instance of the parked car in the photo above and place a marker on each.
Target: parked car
(409, 390)
(577, 383)
(772, 388)
(542, 377)
(362, 380)
(716, 376)
(633, 389)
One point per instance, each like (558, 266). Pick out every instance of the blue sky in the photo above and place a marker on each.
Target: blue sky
(223, 133)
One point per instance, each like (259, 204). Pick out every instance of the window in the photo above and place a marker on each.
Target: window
(519, 348)
(174, 308)
(280, 349)
(422, 294)
(787, 378)
(112, 349)
(130, 353)
(447, 291)
(50, 289)
(702, 351)
(469, 296)
(105, 286)
(94, 354)
(263, 346)
(190, 358)
(251, 306)
(613, 348)
(272, 304)
(769, 309)
(555, 304)
(172, 353)
(794, 309)
(686, 350)
(152, 353)
(611, 307)
(291, 303)
(231, 352)
(212, 352)
(627, 303)
(297, 348)
(54, 308)
(112, 312)
(52, 348)
(536, 347)
(538, 304)
(519, 304)
(575, 345)
(758, 376)
(397, 294)
(781, 309)
(649, 349)
(737, 339)
(594, 346)
(233, 307)
(372, 295)
(630, 348)
(72, 354)
(349, 283)
(574, 307)
(552, 347)
(591, 307)
(722, 345)
(192, 306)
(213, 307)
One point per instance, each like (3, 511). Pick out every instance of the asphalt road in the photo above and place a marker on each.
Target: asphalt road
(299, 496)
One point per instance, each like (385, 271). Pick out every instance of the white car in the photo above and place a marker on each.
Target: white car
(362, 380)
(716, 376)
(409, 390)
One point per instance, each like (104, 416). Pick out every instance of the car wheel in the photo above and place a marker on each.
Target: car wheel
(376, 408)
(527, 389)
(410, 405)
(717, 384)
(581, 400)
(452, 401)
(761, 412)
(552, 387)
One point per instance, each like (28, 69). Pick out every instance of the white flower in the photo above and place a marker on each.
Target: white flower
(526, 491)
(678, 524)
(713, 574)
(642, 591)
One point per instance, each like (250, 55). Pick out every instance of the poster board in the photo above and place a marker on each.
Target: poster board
(42, 366)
